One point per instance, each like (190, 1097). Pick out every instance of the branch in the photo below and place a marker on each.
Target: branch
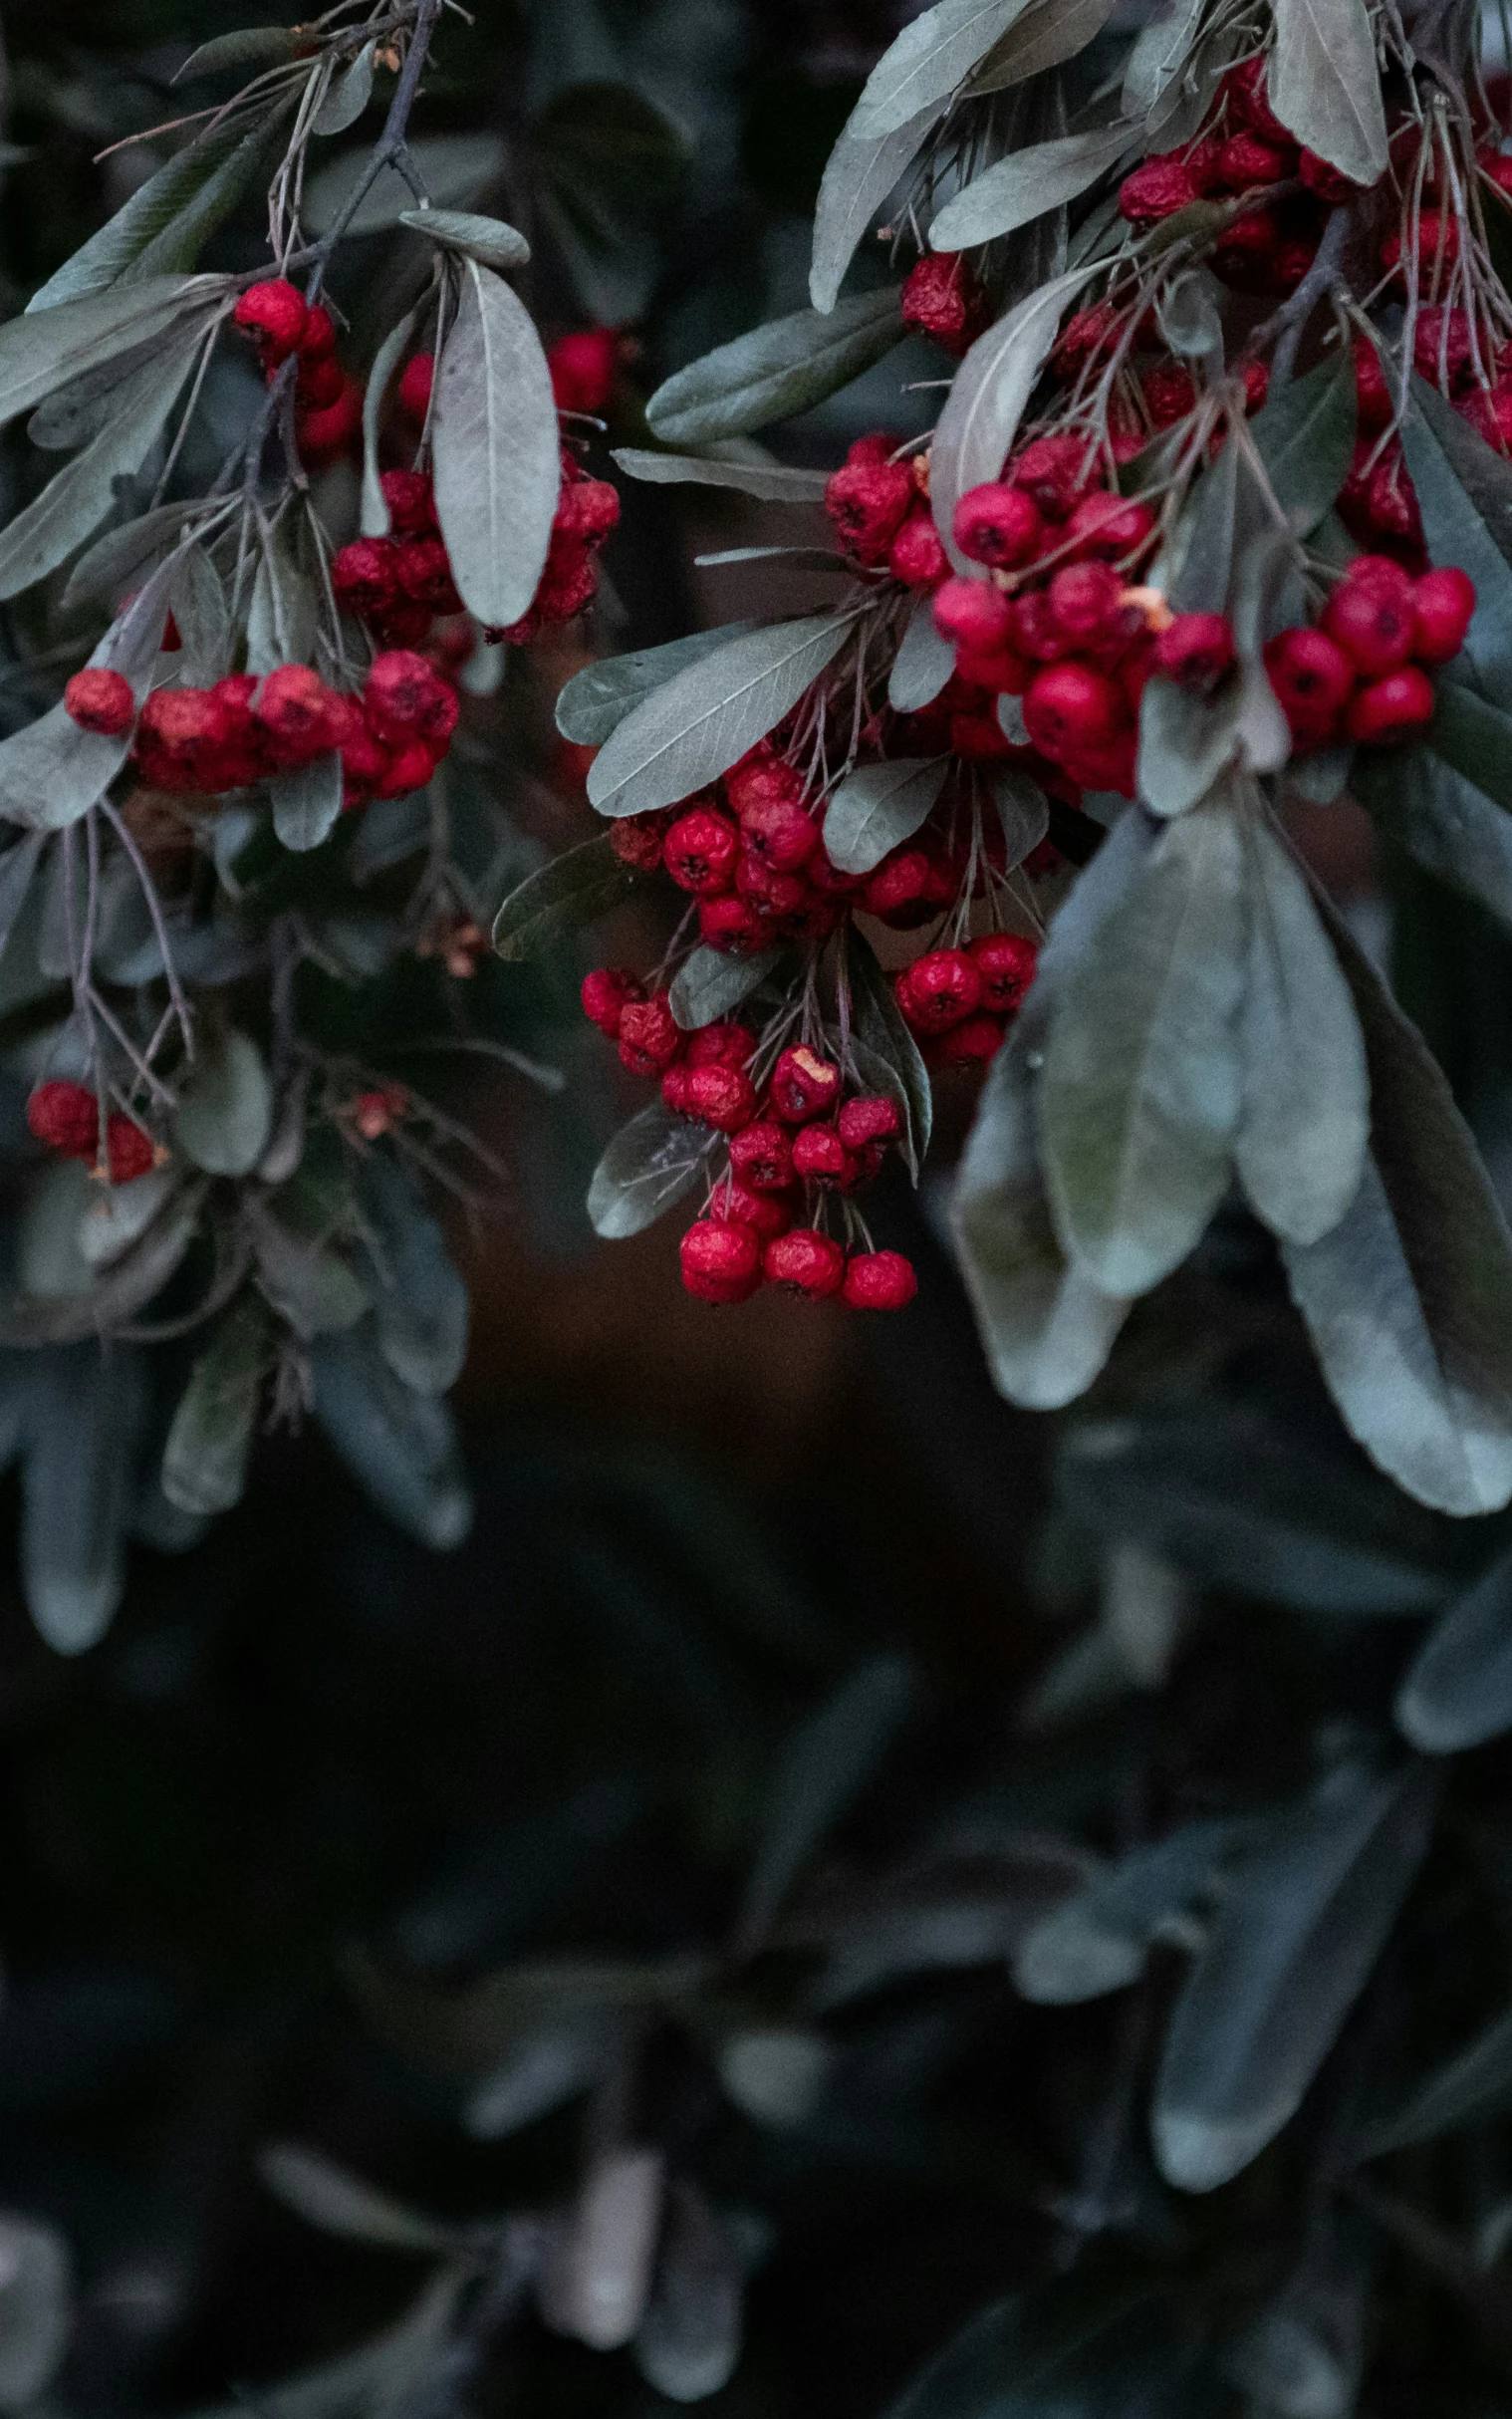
(1285, 327)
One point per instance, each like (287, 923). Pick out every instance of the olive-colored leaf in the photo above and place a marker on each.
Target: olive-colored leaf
(496, 449)
(249, 45)
(771, 482)
(786, 366)
(879, 806)
(347, 93)
(204, 1461)
(574, 889)
(596, 701)
(1023, 186)
(491, 242)
(702, 720)
(651, 1164)
(712, 983)
(987, 400)
(1325, 87)
(1041, 36)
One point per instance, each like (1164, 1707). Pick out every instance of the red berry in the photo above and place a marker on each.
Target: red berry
(1080, 342)
(1490, 414)
(1441, 349)
(732, 925)
(721, 1261)
(129, 1151)
(771, 893)
(941, 298)
(410, 501)
(649, 1036)
(1170, 394)
(998, 525)
(274, 314)
(1157, 189)
(365, 576)
(868, 501)
(1005, 962)
(722, 1044)
(1443, 602)
(584, 370)
(766, 1213)
(316, 341)
(969, 1044)
(101, 701)
(1245, 254)
(606, 992)
(415, 384)
(1105, 527)
(637, 840)
(871, 1117)
(1245, 88)
(423, 568)
(1257, 379)
(1395, 708)
(324, 434)
(1054, 470)
(804, 1086)
(65, 1115)
(409, 769)
(1071, 705)
(1084, 602)
(291, 711)
(1247, 158)
(1372, 396)
(1373, 623)
(820, 1158)
(938, 989)
(899, 885)
(321, 382)
(1313, 678)
(1195, 650)
(878, 1280)
(918, 556)
(405, 697)
(762, 1155)
(699, 852)
(973, 614)
(777, 829)
(1391, 506)
(180, 737)
(807, 1262)
(721, 1097)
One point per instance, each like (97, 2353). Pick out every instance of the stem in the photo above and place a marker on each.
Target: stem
(1324, 277)
(154, 909)
(390, 147)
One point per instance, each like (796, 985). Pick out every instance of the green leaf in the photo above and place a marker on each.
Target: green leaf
(1471, 2087)
(651, 1164)
(307, 803)
(922, 664)
(688, 2341)
(339, 2203)
(1100, 1937)
(250, 46)
(1458, 1688)
(859, 175)
(1023, 186)
(596, 701)
(1298, 1926)
(41, 353)
(347, 93)
(204, 1461)
(702, 720)
(1040, 37)
(771, 482)
(1464, 491)
(226, 1109)
(399, 1446)
(826, 1765)
(1325, 87)
(1158, 55)
(1305, 1121)
(1023, 810)
(929, 57)
(875, 809)
(456, 171)
(84, 1413)
(1305, 436)
(574, 889)
(496, 451)
(492, 241)
(123, 557)
(880, 1028)
(1185, 743)
(1444, 820)
(203, 614)
(712, 983)
(129, 1285)
(420, 1308)
(167, 221)
(52, 771)
(1188, 313)
(307, 1284)
(987, 400)
(610, 166)
(1142, 1083)
(283, 613)
(786, 366)
(374, 517)
(470, 2032)
(1063, 2350)
(1408, 1299)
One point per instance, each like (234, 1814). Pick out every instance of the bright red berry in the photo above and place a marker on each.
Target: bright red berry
(918, 556)
(941, 298)
(66, 1117)
(998, 525)
(101, 701)
(722, 1044)
(415, 384)
(878, 1280)
(584, 368)
(777, 828)
(1374, 625)
(973, 614)
(869, 499)
(871, 1117)
(1005, 963)
(365, 576)
(291, 711)
(938, 989)
(1195, 650)
(720, 1096)
(732, 925)
(804, 1086)
(970, 1043)
(1443, 604)
(1070, 705)
(606, 992)
(762, 1155)
(700, 850)
(649, 1036)
(820, 1158)
(1247, 158)
(721, 1261)
(1084, 602)
(1249, 102)
(1105, 527)
(1313, 678)
(405, 697)
(274, 312)
(806, 1261)
(1395, 708)
(1054, 470)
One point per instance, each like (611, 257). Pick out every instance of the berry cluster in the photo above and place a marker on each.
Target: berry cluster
(66, 1117)
(1361, 674)
(959, 1002)
(794, 1141)
(243, 730)
(328, 400)
(398, 585)
(587, 510)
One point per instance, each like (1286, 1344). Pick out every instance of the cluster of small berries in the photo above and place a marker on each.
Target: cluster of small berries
(244, 729)
(794, 1139)
(66, 1117)
(1155, 393)
(398, 585)
(587, 510)
(958, 1003)
(1361, 673)
(328, 400)
(944, 297)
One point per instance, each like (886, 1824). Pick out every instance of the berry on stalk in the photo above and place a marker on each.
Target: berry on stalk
(878, 1280)
(804, 1262)
(721, 1260)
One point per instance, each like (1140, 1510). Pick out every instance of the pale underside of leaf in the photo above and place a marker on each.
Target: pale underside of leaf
(497, 464)
(1325, 87)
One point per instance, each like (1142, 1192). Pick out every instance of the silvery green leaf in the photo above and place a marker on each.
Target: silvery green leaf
(1305, 1121)
(1408, 1299)
(929, 57)
(786, 366)
(879, 806)
(374, 517)
(712, 983)
(167, 221)
(84, 1412)
(697, 724)
(75, 414)
(1158, 55)
(36, 2308)
(1023, 186)
(349, 94)
(775, 2073)
(226, 1109)
(771, 482)
(457, 171)
(1041, 36)
(49, 1262)
(399, 1446)
(1299, 1925)
(17, 866)
(78, 497)
(924, 663)
(987, 400)
(859, 175)
(1458, 1687)
(283, 612)
(688, 2343)
(118, 1214)
(1325, 87)
(203, 616)
(1188, 313)
(1023, 810)
(496, 450)
(250, 46)
(121, 558)
(651, 1164)
(544, 2071)
(596, 701)
(1303, 2357)
(204, 1460)
(829, 1759)
(1140, 1092)
(307, 802)
(420, 1306)
(52, 771)
(491, 242)
(42, 352)
(1264, 574)
(339, 2203)
(569, 891)
(1098, 1939)
(1473, 2084)
(881, 1031)
(1305, 436)
(1464, 491)
(78, 1308)
(596, 2286)
(306, 1279)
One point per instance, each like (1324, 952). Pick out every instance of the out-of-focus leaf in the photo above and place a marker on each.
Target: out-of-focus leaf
(339, 2203)
(399, 1446)
(1304, 2355)
(467, 2032)
(1458, 1688)
(1464, 491)
(1063, 2351)
(689, 2337)
(1098, 1940)
(651, 1164)
(204, 1461)
(419, 1302)
(496, 449)
(82, 1414)
(879, 1029)
(36, 2308)
(574, 889)
(698, 724)
(879, 806)
(226, 1109)
(1472, 2085)
(786, 366)
(598, 2285)
(307, 802)
(457, 168)
(828, 1760)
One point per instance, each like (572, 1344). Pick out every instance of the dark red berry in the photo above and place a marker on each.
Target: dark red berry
(806, 1261)
(1394, 708)
(820, 1158)
(972, 613)
(65, 1115)
(878, 1280)
(869, 499)
(762, 1155)
(721, 1261)
(1005, 962)
(606, 992)
(938, 989)
(1070, 705)
(1374, 625)
(998, 525)
(1195, 650)
(1443, 604)
(804, 1086)
(700, 850)
(274, 312)
(871, 1117)
(1313, 678)
(649, 1036)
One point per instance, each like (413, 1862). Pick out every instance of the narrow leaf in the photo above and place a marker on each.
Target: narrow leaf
(596, 701)
(877, 807)
(204, 1461)
(167, 221)
(860, 173)
(702, 720)
(987, 400)
(492, 241)
(1100, 1937)
(786, 366)
(879, 1027)
(1464, 491)
(348, 95)
(1325, 87)
(1458, 1688)
(52, 771)
(420, 1305)
(399, 1446)
(1026, 184)
(574, 889)
(44, 351)
(929, 57)
(496, 449)
(374, 517)
(1472, 2085)
(827, 1763)
(1305, 439)
(922, 664)
(327, 2196)
(712, 983)
(769, 481)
